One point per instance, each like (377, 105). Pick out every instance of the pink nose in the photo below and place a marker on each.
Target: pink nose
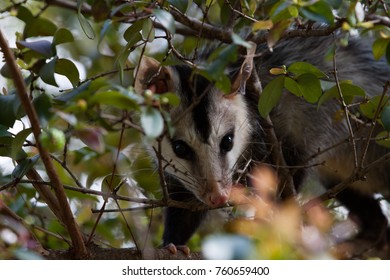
(218, 199)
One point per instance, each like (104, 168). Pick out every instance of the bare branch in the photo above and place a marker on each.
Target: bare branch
(378, 110)
(99, 253)
(72, 5)
(377, 19)
(345, 108)
(208, 31)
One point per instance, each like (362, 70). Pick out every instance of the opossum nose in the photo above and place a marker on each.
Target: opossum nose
(218, 199)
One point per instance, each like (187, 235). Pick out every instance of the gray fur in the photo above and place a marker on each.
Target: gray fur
(312, 130)
(208, 173)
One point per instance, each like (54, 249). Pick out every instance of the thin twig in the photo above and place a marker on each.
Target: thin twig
(65, 166)
(239, 12)
(355, 176)
(98, 193)
(345, 107)
(71, 5)
(377, 112)
(208, 31)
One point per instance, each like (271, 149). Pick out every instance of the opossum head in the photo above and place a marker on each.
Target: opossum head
(211, 130)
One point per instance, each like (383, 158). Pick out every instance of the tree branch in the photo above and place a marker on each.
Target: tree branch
(71, 5)
(99, 253)
(208, 31)
(345, 107)
(377, 19)
(68, 219)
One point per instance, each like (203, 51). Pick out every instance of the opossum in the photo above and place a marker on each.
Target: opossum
(216, 134)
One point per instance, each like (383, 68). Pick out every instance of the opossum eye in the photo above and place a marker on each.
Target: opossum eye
(226, 143)
(182, 150)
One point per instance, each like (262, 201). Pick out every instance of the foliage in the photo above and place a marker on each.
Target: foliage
(78, 62)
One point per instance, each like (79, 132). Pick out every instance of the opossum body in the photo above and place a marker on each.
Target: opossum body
(216, 134)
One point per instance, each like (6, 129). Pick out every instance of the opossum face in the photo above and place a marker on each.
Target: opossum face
(211, 133)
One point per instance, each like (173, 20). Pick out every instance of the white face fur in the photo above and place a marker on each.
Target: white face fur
(207, 142)
(206, 167)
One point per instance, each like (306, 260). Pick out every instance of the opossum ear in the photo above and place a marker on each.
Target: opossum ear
(239, 83)
(151, 75)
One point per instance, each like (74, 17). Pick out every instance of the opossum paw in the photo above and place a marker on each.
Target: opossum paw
(172, 248)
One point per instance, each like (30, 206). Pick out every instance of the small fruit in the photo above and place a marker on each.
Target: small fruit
(53, 140)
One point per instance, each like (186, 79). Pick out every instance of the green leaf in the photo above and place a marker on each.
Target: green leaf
(385, 118)
(17, 152)
(5, 71)
(25, 14)
(335, 3)
(379, 47)
(214, 69)
(270, 96)
(24, 166)
(283, 11)
(169, 123)
(310, 87)
(120, 99)
(133, 32)
(67, 68)
(53, 140)
(84, 23)
(218, 61)
(42, 47)
(4, 131)
(43, 106)
(47, 72)
(166, 20)
(9, 105)
(152, 122)
(348, 90)
(299, 68)
(100, 10)
(5, 146)
(111, 182)
(39, 27)
(181, 5)
(383, 139)
(276, 32)
(223, 83)
(292, 86)
(172, 98)
(369, 108)
(73, 93)
(148, 31)
(240, 42)
(320, 11)
(62, 36)
(106, 27)
(123, 57)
